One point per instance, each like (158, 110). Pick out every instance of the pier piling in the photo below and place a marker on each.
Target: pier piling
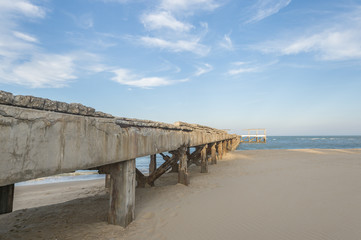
(6, 198)
(122, 193)
(204, 160)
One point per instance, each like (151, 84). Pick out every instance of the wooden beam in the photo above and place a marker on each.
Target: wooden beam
(183, 177)
(153, 163)
(161, 170)
(141, 179)
(6, 198)
(107, 180)
(213, 154)
(224, 147)
(195, 157)
(122, 193)
(220, 150)
(204, 160)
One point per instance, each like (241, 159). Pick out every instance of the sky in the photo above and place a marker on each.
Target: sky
(290, 66)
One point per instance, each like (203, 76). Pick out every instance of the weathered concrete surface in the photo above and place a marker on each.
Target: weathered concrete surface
(37, 142)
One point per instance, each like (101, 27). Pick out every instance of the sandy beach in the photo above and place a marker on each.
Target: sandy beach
(260, 194)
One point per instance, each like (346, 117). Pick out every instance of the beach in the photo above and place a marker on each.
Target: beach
(254, 194)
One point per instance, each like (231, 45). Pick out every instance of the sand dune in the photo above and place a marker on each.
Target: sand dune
(267, 194)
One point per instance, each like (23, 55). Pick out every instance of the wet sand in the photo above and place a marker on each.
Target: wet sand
(261, 194)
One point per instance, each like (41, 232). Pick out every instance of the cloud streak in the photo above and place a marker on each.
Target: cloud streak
(23, 61)
(163, 19)
(226, 42)
(188, 5)
(203, 69)
(125, 77)
(266, 8)
(338, 42)
(191, 45)
(248, 67)
(23, 7)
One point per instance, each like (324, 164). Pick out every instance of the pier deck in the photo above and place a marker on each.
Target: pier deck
(40, 137)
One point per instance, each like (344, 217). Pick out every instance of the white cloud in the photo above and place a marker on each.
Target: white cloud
(188, 5)
(114, 1)
(43, 70)
(266, 8)
(22, 60)
(248, 67)
(341, 41)
(226, 42)
(24, 7)
(181, 36)
(329, 45)
(243, 70)
(125, 77)
(203, 70)
(163, 19)
(25, 37)
(192, 45)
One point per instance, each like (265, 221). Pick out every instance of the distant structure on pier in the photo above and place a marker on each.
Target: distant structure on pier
(253, 136)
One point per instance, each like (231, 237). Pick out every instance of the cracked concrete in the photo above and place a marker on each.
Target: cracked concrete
(38, 142)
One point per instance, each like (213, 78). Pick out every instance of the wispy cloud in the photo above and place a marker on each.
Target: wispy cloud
(170, 33)
(163, 19)
(43, 70)
(191, 45)
(23, 61)
(25, 37)
(341, 41)
(226, 42)
(205, 68)
(24, 7)
(188, 5)
(125, 77)
(248, 67)
(266, 8)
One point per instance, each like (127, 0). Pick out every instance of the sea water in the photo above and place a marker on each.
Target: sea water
(273, 142)
(302, 142)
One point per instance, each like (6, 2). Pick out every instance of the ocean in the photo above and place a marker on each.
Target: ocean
(302, 142)
(273, 142)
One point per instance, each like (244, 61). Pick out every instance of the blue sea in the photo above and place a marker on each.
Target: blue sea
(302, 142)
(273, 142)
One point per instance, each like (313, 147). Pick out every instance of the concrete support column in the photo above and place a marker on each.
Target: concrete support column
(204, 160)
(229, 145)
(107, 180)
(220, 150)
(235, 143)
(213, 154)
(153, 163)
(224, 147)
(183, 177)
(6, 198)
(122, 193)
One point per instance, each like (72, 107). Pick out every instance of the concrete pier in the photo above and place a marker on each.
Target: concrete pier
(40, 138)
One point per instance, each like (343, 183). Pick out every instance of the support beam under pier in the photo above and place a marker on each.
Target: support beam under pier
(122, 193)
(153, 163)
(6, 198)
(183, 177)
(213, 154)
(220, 150)
(204, 160)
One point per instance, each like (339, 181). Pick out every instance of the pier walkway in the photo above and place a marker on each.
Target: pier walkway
(40, 138)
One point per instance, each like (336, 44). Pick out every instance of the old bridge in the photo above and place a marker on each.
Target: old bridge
(40, 137)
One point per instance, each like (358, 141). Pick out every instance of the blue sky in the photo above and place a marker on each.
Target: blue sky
(293, 67)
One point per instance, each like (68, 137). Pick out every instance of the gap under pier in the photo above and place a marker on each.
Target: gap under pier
(40, 137)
